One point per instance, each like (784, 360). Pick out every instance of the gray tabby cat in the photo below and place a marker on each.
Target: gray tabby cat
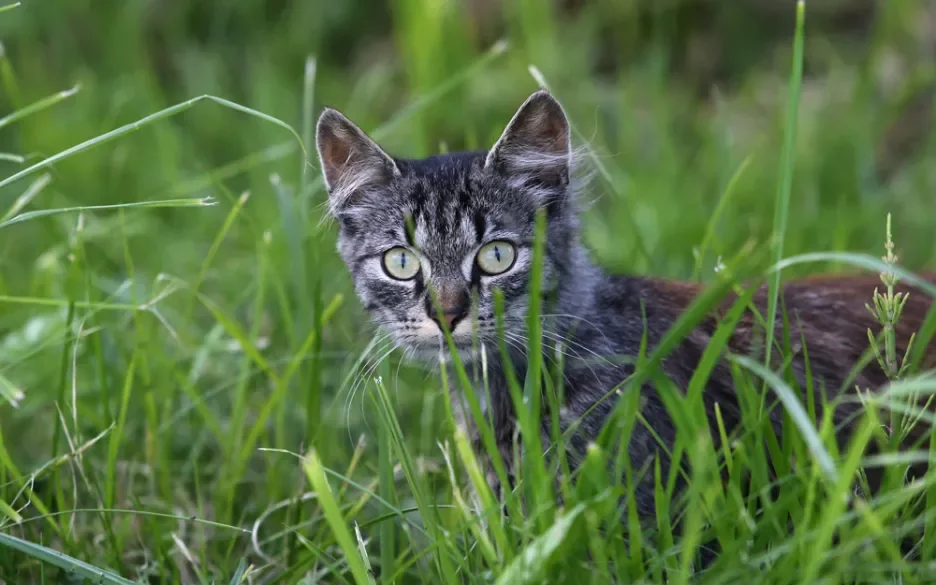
(472, 218)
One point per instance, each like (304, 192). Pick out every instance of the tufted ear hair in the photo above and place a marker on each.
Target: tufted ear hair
(536, 143)
(350, 160)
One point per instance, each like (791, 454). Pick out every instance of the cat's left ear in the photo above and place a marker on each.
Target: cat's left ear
(536, 143)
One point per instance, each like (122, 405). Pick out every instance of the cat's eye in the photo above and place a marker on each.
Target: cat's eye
(401, 263)
(496, 257)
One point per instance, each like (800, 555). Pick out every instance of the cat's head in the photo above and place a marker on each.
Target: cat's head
(461, 225)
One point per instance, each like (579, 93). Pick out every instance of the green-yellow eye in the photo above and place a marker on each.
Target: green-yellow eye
(400, 263)
(496, 257)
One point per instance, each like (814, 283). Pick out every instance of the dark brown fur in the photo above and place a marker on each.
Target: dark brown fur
(829, 313)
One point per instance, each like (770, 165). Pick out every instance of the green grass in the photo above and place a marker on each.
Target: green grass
(190, 391)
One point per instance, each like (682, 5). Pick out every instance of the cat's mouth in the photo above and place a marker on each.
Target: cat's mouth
(425, 342)
(433, 346)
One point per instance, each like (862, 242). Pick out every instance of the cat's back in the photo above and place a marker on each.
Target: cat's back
(832, 310)
(829, 312)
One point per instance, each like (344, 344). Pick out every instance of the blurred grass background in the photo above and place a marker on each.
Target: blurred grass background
(673, 96)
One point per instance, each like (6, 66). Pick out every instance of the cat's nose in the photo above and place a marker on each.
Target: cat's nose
(452, 317)
(454, 305)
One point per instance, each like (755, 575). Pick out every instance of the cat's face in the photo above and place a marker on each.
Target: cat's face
(440, 235)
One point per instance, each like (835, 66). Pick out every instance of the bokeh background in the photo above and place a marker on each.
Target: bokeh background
(673, 96)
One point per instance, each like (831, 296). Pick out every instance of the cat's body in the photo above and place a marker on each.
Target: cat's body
(829, 313)
(472, 227)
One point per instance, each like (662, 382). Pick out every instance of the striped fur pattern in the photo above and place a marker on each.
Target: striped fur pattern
(458, 202)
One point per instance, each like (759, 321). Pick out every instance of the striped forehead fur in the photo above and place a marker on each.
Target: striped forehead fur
(455, 204)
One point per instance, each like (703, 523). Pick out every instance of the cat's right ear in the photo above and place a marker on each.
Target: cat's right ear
(535, 144)
(350, 160)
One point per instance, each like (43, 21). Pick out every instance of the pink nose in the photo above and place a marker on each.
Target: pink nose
(451, 315)
(453, 302)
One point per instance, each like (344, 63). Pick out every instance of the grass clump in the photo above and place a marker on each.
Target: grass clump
(189, 393)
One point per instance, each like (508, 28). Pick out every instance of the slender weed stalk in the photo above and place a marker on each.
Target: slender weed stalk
(887, 309)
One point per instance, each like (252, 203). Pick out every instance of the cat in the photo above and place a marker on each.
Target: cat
(463, 225)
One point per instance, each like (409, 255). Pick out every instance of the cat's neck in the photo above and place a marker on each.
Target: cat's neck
(579, 280)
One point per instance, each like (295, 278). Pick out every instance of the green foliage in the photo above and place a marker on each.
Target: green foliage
(163, 361)
(887, 310)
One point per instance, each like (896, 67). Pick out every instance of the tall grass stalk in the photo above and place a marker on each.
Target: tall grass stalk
(785, 184)
(191, 393)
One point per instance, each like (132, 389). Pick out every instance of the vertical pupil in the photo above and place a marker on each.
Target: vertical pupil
(497, 255)
(402, 259)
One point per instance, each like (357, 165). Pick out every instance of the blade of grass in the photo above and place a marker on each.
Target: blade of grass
(387, 491)
(730, 190)
(218, 175)
(234, 330)
(785, 187)
(142, 123)
(490, 505)
(201, 202)
(110, 491)
(347, 481)
(871, 263)
(23, 200)
(428, 513)
(10, 392)
(280, 384)
(700, 307)
(8, 511)
(242, 572)
(216, 244)
(530, 419)
(308, 121)
(136, 512)
(44, 103)
(316, 474)
(838, 498)
(69, 564)
(310, 302)
(10, 470)
(532, 562)
(797, 413)
(332, 565)
(483, 426)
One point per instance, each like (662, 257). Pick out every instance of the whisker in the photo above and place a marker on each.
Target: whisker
(509, 335)
(353, 374)
(396, 375)
(554, 336)
(364, 387)
(575, 355)
(378, 340)
(525, 342)
(594, 325)
(571, 316)
(362, 379)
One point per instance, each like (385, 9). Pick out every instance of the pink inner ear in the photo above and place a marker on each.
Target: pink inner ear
(556, 134)
(544, 129)
(539, 126)
(336, 152)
